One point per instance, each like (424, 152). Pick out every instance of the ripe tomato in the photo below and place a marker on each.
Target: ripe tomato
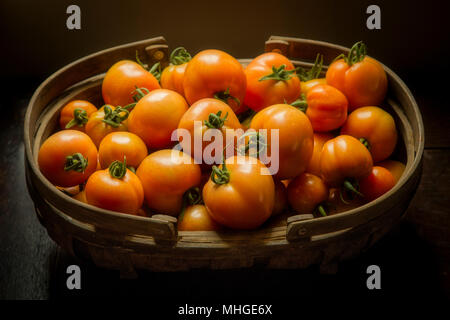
(295, 144)
(379, 181)
(271, 79)
(213, 114)
(120, 145)
(375, 128)
(116, 188)
(75, 114)
(340, 200)
(344, 158)
(166, 175)
(172, 76)
(241, 194)
(306, 193)
(67, 158)
(214, 73)
(314, 163)
(308, 85)
(106, 120)
(156, 116)
(396, 168)
(362, 79)
(196, 218)
(327, 108)
(280, 198)
(121, 81)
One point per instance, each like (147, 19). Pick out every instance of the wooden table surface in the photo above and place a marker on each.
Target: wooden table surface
(414, 258)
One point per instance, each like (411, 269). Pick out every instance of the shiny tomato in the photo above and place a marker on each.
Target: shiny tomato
(271, 79)
(156, 116)
(280, 198)
(295, 139)
(209, 114)
(67, 158)
(314, 163)
(116, 188)
(166, 175)
(327, 108)
(120, 145)
(362, 79)
(106, 120)
(214, 73)
(172, 76)
(344, 158)
(308, 85)
(379, 181)
(75, 114)
(241, 194)
(375, 128)
(307, 193)
(396, 168)
(122, 79)
(196, 218)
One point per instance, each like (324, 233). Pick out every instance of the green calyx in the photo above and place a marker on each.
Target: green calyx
(279, 74)
(301, 103)
(118, 169)
(352, 187)
(365, 142)
(320, 209)
(80, 118)
(75, 162)
(215, 121)
(357, 53)
(314, 72)
(224, 96)
(155, 70)
(256, 143)
(220, 176)
(191, 197)
(115, 117)
(179, 56)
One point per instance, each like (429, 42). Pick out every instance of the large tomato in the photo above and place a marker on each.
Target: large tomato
(375, 128)
(240, 194)
(106, 120)
(121, 81)
(314, 163)
(75, 114)
(156, 116)
(120, 145)
(67, 158)
(166, 175)
(307, 193)
(295, 138)
(196, 218)
(362, 79)
(116, 188)
(271, 79)
(172, 76)
(214, 73)
(377, 183)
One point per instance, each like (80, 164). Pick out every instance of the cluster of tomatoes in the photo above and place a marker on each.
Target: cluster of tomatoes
(333, 148)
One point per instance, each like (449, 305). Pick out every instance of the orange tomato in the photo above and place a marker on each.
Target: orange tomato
(106, 120)
(344, 158)
(314, 163)
(116, 188)
(241, 194)
(280, 198)
(120, 145)
(295, 143)
(271, 79)
(75, 114)
(327, 108)
(122, 79)
(362, 79)
(196, 218)
(172, 76)
(308, 85)
(306, 193)
(376, 128)
(156, 116)
(214, 73)
(81, 196)
(379, 181)
(67, 158)
(166, 175)
(396, 168)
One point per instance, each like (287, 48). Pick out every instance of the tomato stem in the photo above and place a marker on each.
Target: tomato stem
(75, 162)
(349, 186)
(321, 210)
(357, 53)
(179, 56)
(80, 118)
(220, 176)
(279, 74)
(256, 141)
(118, 169)
(145, 66)
(224, 96)
(115, 117)
(156, 71)
(365, 142)
(314, 72)
(215, 121)
(301, 103)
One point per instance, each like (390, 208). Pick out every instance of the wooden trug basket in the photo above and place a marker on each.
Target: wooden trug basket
(128, 243)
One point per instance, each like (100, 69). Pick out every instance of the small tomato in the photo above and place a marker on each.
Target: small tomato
(120, 145)
(75, 114)
(377, 183)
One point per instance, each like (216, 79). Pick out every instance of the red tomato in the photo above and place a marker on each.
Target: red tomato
(75, 114)
(215, 74)
(377, 183)
(271, 79)
(306, 193)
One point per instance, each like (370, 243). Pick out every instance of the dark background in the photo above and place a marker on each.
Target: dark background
(413, 42)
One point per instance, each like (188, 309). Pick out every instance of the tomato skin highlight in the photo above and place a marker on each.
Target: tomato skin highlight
(327, 108)
(197, 218)
(172, 78)
(396, 168)
(53, 152)
(213, 71)
(314, 163)
(121, 80)
(261, 94)
(247, 200)
(308, 85)
(120, 145)
(377, 183)
(156, 116)
(306, 192)
(66, 114)
(376, 126)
